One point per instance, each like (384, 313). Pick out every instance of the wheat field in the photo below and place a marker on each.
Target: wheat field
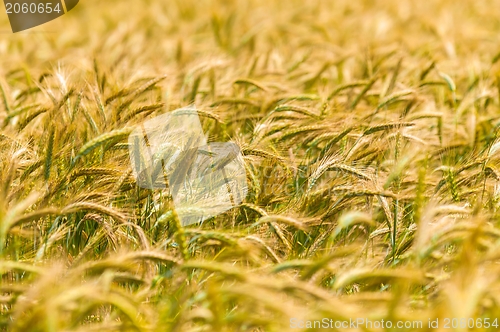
(370, 140)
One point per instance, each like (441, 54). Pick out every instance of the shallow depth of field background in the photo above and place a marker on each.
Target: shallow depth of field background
(370, 136)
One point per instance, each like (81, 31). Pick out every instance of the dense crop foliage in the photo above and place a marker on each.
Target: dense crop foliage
(370, 136)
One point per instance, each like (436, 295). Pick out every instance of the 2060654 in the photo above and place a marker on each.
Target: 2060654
(32, 8)
(470, 323)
